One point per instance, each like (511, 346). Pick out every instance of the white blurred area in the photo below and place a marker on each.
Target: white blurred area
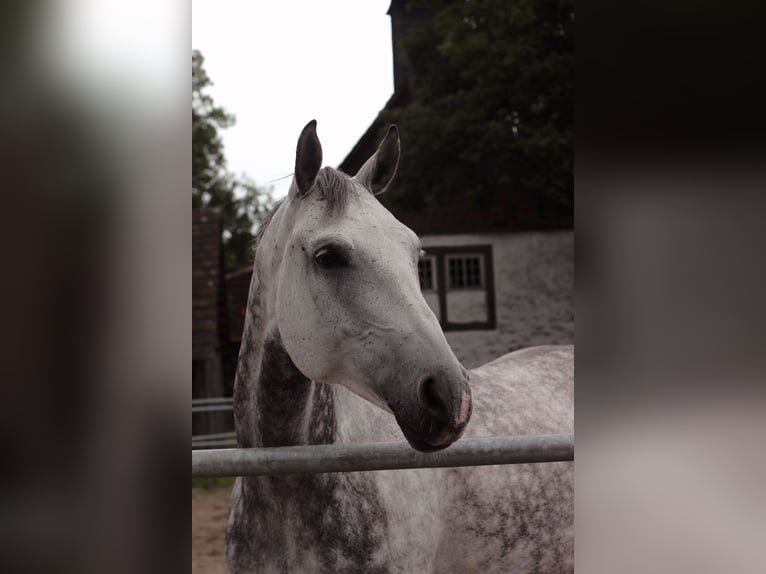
(671, 392)
(123, 66)
(95, 147)
(674, 490)
(110, 79)
(126, 52)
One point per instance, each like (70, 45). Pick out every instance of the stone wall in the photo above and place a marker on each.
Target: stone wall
(534, 293)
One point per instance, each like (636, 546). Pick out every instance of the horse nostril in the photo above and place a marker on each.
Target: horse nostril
(429, 395)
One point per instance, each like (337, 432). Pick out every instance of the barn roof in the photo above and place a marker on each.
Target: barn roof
(504, 210)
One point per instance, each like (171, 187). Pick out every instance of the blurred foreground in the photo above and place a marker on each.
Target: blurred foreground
(96, 331)
(95, 252)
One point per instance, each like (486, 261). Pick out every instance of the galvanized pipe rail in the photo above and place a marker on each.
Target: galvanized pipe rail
(214, 404)
(473, 451)
(217, 440)
(212, 400)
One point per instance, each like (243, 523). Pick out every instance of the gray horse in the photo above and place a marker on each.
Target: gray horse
(337, 339)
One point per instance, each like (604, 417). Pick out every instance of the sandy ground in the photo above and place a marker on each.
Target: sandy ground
(209, 511)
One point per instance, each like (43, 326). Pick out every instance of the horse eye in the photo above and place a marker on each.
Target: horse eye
(330, 258)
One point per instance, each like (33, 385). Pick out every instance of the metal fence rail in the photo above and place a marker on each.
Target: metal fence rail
(216, 440)
(381, 456)
(212, 404)
(212, 401)
(213, 440)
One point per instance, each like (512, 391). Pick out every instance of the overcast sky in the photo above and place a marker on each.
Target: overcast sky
(277, 65)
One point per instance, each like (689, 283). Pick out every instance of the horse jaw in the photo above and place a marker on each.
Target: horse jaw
(364, 392)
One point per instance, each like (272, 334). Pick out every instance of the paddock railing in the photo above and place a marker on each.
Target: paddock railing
(212, 404)
(472, 451)
(213, 440)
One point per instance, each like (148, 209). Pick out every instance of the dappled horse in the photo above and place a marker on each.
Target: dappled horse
(337, 339)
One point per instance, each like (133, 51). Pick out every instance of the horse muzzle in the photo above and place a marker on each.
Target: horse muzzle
(440, 417)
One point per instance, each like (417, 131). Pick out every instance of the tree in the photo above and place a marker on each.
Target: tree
(240, 202)
(492, 101)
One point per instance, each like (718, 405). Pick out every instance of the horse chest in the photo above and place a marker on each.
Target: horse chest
(321, 523)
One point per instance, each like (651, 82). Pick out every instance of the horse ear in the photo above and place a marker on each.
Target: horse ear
(377, 172)
(308, 158)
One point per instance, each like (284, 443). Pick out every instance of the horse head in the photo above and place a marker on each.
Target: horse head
(346, 299)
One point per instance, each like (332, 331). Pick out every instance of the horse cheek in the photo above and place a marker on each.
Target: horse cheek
(303, 318)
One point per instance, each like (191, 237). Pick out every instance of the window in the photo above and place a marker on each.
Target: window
(426, 273)
(465, 271)
(458, 285)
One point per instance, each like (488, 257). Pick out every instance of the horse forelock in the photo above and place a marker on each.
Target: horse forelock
(334, 188)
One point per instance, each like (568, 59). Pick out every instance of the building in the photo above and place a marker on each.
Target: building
(210, 332)
(237, 290)
(499, 275)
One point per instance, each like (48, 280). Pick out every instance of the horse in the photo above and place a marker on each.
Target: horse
(339, 346)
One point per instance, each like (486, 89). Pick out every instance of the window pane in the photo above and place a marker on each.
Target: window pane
(464, 272)
(456, 272)
(425, 273)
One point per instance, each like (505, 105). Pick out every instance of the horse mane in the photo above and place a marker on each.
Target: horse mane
(265, 222)
(333, 187)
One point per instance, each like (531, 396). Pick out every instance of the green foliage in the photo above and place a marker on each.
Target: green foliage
(492, 101)
(213, 483)
(240, 202)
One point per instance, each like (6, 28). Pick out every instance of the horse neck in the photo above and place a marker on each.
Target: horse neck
(274, 403)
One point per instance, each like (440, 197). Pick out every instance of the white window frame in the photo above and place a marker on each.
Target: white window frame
(448, 258)
(434, 285)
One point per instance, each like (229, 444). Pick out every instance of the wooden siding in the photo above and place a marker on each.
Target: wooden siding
(206, 282)
(237, 290)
